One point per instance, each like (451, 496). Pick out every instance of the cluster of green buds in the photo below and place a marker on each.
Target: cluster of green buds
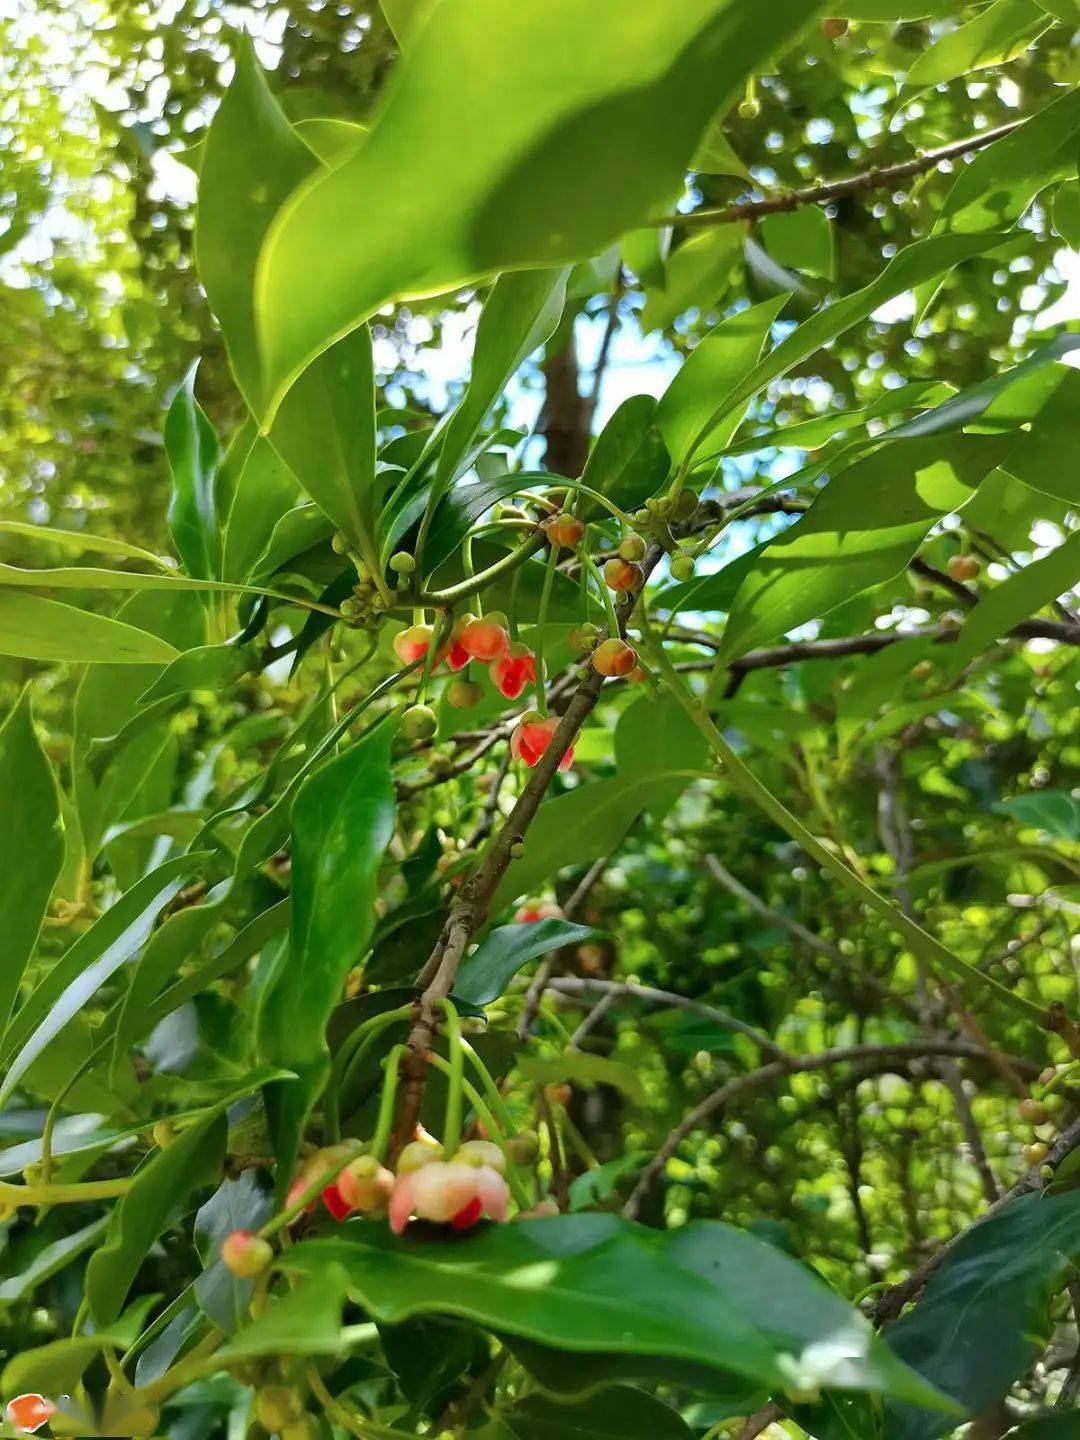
(367, 602)
(659, 515)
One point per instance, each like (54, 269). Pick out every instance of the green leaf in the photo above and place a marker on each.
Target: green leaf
(521, 313)
(342, 822)
(897, 495)
(694, 274)
(329, 138)
(264, 490)
(194, 459)
(508, 160)
(1041, 458)
(999, 33)
(32, 827)
(252, 160)
(305, 1321)
(76, 540)
(693, 404)
(1067, 206)
(989, 1301)
(56, 1369)
(325, 434)
(406, 16)
(629, 460)
(801, 240)
(459, 510)
(581, 1067)
(998, 185)
(1065, 1425)
(85, 966)
(714, 156)
(620, 1413)
(485, 974)
(38, 629)
(142, 1214)
(715, 591)
(50, 1260)
(206, 667)
(705, 1293)
(1055, 811)
(1023, 593)
(655, 734)
(244, 1203)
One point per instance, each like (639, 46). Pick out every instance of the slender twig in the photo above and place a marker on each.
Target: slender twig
(543, 971)
(875, 178)
(760, 1421)
(882, 1057)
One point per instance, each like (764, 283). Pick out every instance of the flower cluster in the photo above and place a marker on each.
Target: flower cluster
(454, 1192)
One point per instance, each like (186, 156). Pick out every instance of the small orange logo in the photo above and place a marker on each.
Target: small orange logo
(27, 1413)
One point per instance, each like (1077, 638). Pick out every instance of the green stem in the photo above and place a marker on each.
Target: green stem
(386, 1105)
(502, 567)
(476, 1100)
(491, 1090)
(588, 564)
(452, 1124)
(923, 944)
(76, 1194)
(541, 620)
(352, 1051)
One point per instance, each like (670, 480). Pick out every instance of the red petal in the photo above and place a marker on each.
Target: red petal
(467, 1218)
(336, 1203)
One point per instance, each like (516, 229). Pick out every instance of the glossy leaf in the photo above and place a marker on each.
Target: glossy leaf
(264, 490)
(629, 461)
(1041, 458)
(325, 434)
(304, 1321)
(984, 1316)
(693, 274)
(55, 1369)
(801, 240)
(485, 974)
(252, 160)
(620, 1413)
(1020, 595)
(1001, 31)
(32, 826)
(50, 1260)
(38, 629)
(655, 734)
(1055, 811)
(342, 822)
(897, 493)
(519, 161)
(705, 1293)
(192, 1160)
(195, 460)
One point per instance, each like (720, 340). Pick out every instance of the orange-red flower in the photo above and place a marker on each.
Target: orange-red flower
(529, 913)
(484, 640)
(533, 736)
(27, 1413)
(512, 674)
(412, 644)
(614, 657)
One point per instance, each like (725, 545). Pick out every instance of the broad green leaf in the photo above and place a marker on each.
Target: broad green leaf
(801, 240)
(999, 33)
(195, 460)
(1055, 811)
(38, 629)
(912, 267)
(342, 822)
(325, 433)
(581, 1067)
(629, 460)
(85, 966)
(620, 1413)
(264, 491)
(51, 1259)
(33, 845)
(76, 540)
(521, 313)
(705, 1293)
(655, 734)
(484, 975)
(574, 1375)
(691, 408)
(252, 160)
(243, 1203)
(1022, 594)
(894, 496)
(694, 274)
(330, 139)
(1042, 458)
(715, 156)
(56, 1369)
(460, 509)
(305, 1321)
(406, 16)
(998, 185)
(1066, 208)
(206, 667)
(602, 1181)
(989, 1303)
(895, 9)
(517, 161)
(192, 1160)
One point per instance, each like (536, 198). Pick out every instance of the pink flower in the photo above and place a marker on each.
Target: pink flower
(532, 911)
(456, 1192)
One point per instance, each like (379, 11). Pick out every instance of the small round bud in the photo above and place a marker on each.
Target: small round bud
(834, 28)
(517, 850)
(419, 722)
(682, 567)
(464, 694)
(614, 657)
(750, 108)
(350, 608)
(277, 1406)
(963, 567)
(481, 1152)
(245, 1254)
(557, 1094)
(565, 530)
(164, 1133)
(419, 1153)
(923, 670)
(643, 516)
(402, 563)
(621, 575)
(339, 544)
(583, 638)
(1034, 1154)
(632, 548)
(1033, 1111)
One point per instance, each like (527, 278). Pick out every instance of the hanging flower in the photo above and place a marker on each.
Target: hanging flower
(27, 1413)
(457, 1192)
(533, 736)
(534, 910)
(412, 644)
(512, 674)
(485, 640)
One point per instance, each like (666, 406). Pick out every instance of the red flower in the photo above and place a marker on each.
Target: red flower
(457, 656)
(411, 644)
(543, 910)
(533, 736)
(28, 1413)
(517, 670)
(484, 640)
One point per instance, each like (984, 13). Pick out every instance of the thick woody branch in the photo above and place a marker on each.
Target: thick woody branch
(875, 178)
